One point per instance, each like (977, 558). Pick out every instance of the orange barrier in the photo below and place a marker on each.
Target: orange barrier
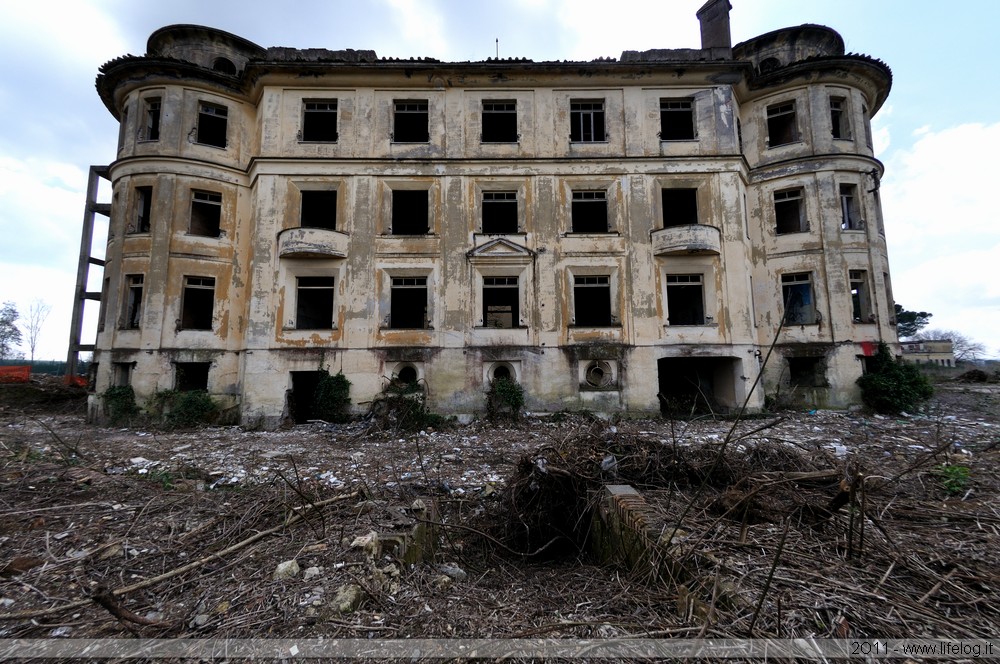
(78, 381)
(15, 374)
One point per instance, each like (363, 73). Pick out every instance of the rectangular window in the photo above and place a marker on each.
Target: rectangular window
(590, 212)
(206, 213)
(319, 121)
(685, 300)
(789, 212)
(868, 126)
(499, 122)
(408, 305)
(197, 303)
(781, 127)
(121, 373)
(499, 212)
(132, 306)
(839, 119)
(807, 372)
(122, 128)
(314, 303)
(319, 209)
(592, 301)
(500, 307)
(676, 120)
(850, 210)
(586, 121)
(410, 212)
(680, 207)
(143, 209)
(212, 120)
(797, 294)
(151, 132)
(861, 307)
(410, 122)
(191, 376)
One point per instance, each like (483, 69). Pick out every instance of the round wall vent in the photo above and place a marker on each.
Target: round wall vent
(600, 374)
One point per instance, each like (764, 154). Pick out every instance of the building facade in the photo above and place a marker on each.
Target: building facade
(937, 352)
(692, 227)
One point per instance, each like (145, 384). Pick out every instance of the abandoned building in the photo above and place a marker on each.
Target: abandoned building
(936, 352)
(616, 235)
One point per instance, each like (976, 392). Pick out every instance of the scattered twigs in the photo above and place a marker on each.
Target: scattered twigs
(105, 598)
(770, 577)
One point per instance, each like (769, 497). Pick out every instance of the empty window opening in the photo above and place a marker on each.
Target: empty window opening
(407, 375)
(301, 401)
(502, 372)
(197, 303)
(797, 294)
(680, 207)
(690, 386)
(319, 209)
(861, 307)
(410, 122)
(781, 127)
(789, 212)
(499, 211)
(850, 210)
(590, 212)
(408, 303)
(807, 371)
(122, 128)
(410, 212)
(499, 122)
(314, 303)
(500, 305)
(191, 376)
(143, 209)
(685, 299)
(121, 373)
(206, 213)
(676, 120)
(132, 306)
(586, 121)
(319, 121)
(840, 126)
(868, 126)
(225, 66)
(212, 120)
(592, 301)
(151, 132)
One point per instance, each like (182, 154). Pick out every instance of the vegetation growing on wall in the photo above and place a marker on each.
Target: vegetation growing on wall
(119, 404)
(891, 386)
(185, 409)
(332, 397)
(505, 398)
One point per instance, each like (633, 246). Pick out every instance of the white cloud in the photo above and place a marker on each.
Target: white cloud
(421, 29)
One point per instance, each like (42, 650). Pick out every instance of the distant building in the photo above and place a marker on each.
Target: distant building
(938, 352)
(616, 235)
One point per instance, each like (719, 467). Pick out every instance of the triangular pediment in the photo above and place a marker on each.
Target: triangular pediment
(500, 248)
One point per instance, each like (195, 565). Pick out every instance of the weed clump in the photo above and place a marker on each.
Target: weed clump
(186, 409)
(119, 404)
(892, 386)
(505, 398)
(332, 397)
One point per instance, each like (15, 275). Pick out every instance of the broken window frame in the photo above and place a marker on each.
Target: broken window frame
(861, 300)
(499, 121)
(501, 293)
(407, 126)
(798, 299)
(197, 304)
(840, 119)
(782, 124)
(318, 209)
(850, 209)
(790, 212)
(132, 302)
(499, 212)
(191, 376)
(315, 302)
(213, 125)
(153, 108)
(121, 373)
(143, 210)
(587, 121)
(585, 217)
(680, 206)
(685, 300)
(677, 120)
(407, 222)
(319, 121)
(592, 302)
(206, 213)
(402, 315)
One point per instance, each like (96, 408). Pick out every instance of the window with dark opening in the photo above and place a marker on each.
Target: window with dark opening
(151, 132)
(676, 120)
(502, 372)
(850, 210)
(206, 213)
(592, 301)
(410, 212)
(500, 308)
(197, 303)
(408, 305)
(319, 121)
(499, 122)
(225, 66)
(685, 300)
(191, 376)
(806, 371)
(212, 124)
(122, 127)
(680, 207)
(797, 295)
(839, 124)
(407, 375)
(499, 211)
(590, 212)
(319, 209)
(143, 209)
(121, 375)
(410, 122)
(861, 307)
(132, 306)
(781, 127)
(586, 121)
(868, 126)
(314, 303)
(789, 213)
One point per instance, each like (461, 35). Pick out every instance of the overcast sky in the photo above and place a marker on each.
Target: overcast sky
(938, 134)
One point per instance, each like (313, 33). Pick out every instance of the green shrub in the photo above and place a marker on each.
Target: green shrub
(892, 386)
(186, 409)
(119, 404)
(505, 398)
(332, 397)
(954, 479)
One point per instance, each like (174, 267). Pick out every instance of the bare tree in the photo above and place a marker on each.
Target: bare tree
(964, 348)
(37, 313)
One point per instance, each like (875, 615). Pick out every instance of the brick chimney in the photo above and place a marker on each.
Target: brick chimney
(715, 35)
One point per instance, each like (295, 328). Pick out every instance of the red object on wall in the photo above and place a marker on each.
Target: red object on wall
(869, 348)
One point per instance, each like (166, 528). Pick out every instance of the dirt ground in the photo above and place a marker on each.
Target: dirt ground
(793, 524)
